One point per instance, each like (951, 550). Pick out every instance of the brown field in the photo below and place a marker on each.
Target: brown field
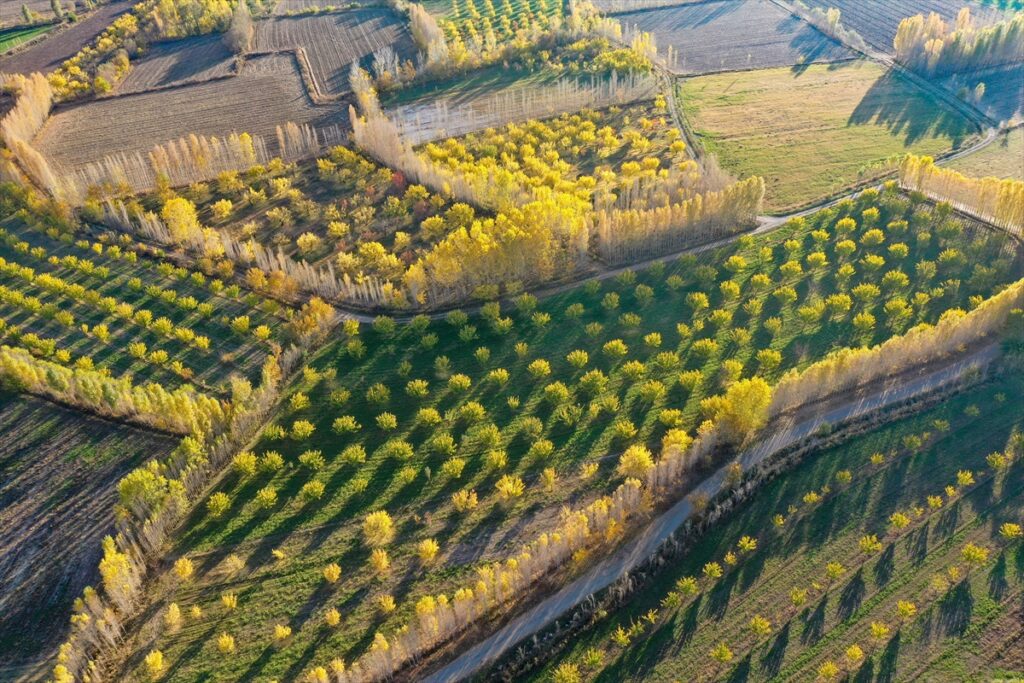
(268, 92)
(58, 472)
(47, 54)
(1004, 158)
(179, 62)
(728, 35)
(333, 41)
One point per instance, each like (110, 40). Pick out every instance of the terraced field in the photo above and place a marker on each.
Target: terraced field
(333, 41)
(877, 21)
(813, 133)
(966, 624)
(1004, 158)
(58, 470)
(267, 93)
(179, 62)
(730, 35)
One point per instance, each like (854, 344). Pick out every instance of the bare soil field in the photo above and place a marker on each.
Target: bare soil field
(1003, 99)
(268, 92)
(179, 62)
(815, 133)
(59, 45)
(1004, 158)
(877, 20)
(333, 41)
(731, 35)
(58, 473)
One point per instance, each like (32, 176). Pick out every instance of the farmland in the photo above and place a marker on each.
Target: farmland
(178, 63)
(57, 489)
(877, 22)
(12, 38)
(750, 34)
(894, 469)
(404, 418)
(267, 93)
(1004, 158)
(511, 340)
(48, 53)
(333, 41)
(815, 132)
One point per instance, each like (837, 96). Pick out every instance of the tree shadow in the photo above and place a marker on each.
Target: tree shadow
(741, 673)
(811, 44)
(771, 661)
(814, 623)
(997, 582)
(894, 102)
(917, 544)
(888, 659)
(955, 609)
(886, 565)
(718, 598)
(852, 596)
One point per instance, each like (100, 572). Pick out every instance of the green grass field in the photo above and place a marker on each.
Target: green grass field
(389, 408)
(13, 37)
(964, 628)
(1004, 158)
(813, 131)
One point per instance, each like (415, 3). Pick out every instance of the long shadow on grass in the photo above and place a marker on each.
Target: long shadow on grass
(771, 661)
(997, 583)
(811, 44)
(888, 660)
(896, 103)
(955, 609)
(851, 596)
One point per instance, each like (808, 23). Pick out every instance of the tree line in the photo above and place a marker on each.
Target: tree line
(1000, 201)
(933, 47)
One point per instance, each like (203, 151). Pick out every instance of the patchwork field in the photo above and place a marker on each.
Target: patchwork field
(813, 133)
(411, 419)
(267, 93)
(47, 54)
(1003, 99)
(877, 21)
(58, 470)
(729, 35)
(179, 62)
(965, 624)
(1004, 158)
(333, 41)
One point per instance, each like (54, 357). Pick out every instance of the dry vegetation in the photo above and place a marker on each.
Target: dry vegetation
(58, 470)
(1004, 158)
(267, 93)
(815, 132)
(333, 41)
(727, 35)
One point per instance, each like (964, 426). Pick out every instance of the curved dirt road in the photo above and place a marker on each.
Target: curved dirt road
(642, 545)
